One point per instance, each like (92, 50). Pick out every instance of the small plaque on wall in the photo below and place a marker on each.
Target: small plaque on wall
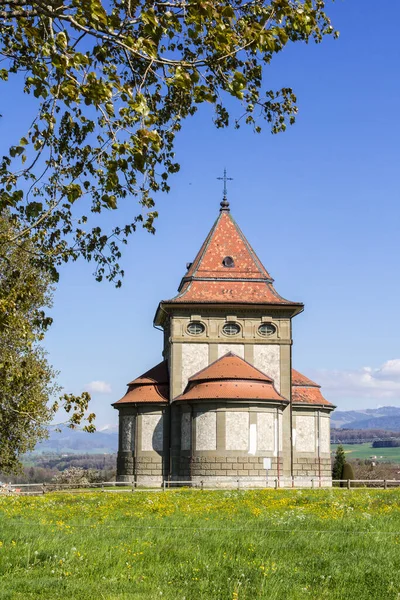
(267, 463)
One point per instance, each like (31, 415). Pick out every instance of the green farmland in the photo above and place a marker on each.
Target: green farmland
(365, 451)
(202, 545)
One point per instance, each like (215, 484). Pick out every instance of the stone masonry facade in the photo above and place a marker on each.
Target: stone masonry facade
(225, 403)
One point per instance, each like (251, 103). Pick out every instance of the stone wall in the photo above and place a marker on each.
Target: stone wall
(312, 467)
(237, 349)
(232, 466)
(267, 358)
(194, 358)
(143, 444)
(150, 470)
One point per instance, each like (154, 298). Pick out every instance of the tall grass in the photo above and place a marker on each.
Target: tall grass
(190, 545)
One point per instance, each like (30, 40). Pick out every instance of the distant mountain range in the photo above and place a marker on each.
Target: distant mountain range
(76, 441)
(386, 417)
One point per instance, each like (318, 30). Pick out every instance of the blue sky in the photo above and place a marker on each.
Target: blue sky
(319, 204)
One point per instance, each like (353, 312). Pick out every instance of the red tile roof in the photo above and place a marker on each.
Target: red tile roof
(151, 387)
(228, 378)
(231, 378)
(300, 379)
(157, 374)
(306, 391)
(230, 366)
(245, 282)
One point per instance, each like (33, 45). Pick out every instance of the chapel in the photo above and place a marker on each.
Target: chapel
(225, 403)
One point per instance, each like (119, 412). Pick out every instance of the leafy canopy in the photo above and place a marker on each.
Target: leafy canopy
(114, 81)
(111, 83)
(27, 381)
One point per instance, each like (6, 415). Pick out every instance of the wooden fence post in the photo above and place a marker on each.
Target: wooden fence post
(348, 484)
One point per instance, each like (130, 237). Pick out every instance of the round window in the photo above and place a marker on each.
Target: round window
(231, 329)
(266, 329)
(228, 262)
(196, 328)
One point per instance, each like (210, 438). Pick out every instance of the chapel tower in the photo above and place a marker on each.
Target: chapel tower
(225, 402)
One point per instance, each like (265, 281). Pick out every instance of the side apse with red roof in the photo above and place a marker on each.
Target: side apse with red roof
(306, 391)
(151, 387)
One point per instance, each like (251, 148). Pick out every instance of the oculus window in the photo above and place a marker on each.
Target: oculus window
(196, 328)
(231, 329)
(228, 262)
(266, 329)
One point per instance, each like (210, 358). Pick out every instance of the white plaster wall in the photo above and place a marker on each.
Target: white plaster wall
(128, 433)
(185, 431)
(152, 432)
(237, 430)
(267, 358)
(305, 433)
(194, 358)
(325, 434)
(237, 349)
(206, 430)
(265, 431)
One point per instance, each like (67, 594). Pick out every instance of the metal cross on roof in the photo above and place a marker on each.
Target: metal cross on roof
(225, 203)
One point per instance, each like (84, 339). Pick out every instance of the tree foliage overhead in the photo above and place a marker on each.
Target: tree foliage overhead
(114, 82)
(111, 84)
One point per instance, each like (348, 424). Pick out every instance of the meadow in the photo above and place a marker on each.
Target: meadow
(198, 545)
(365, 451)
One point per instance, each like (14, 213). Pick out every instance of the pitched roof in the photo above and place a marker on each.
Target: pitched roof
(151, 387)
(157, 374)
(226, 269)
(300, 379)
(306, 391)
(230, 366)
(231, 378)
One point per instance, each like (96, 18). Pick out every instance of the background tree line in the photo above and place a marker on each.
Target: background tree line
(44, 469)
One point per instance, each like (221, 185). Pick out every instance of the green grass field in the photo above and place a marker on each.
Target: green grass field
(364, 451)
(194, 545)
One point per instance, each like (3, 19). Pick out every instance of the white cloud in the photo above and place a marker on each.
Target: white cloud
(368, 382)
(389, 370)
(98, 387)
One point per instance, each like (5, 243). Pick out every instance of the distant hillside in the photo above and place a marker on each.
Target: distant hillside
(76, 441)
(386, 417)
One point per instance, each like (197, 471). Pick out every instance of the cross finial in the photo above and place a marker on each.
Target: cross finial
(225, 203)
